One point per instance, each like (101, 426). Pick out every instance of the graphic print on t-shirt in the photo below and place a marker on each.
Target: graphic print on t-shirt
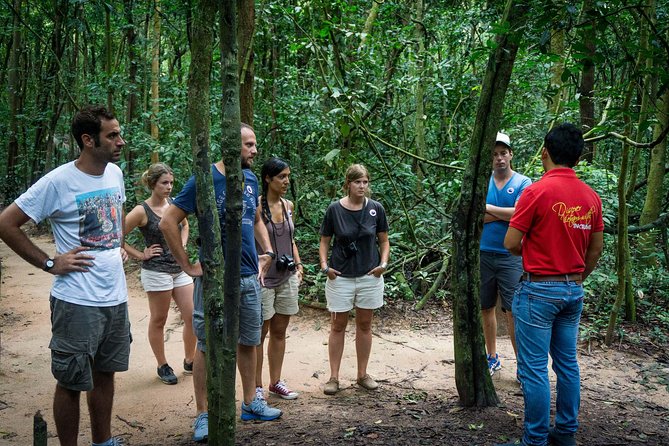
(572, 216)
(248, 212)
(100, 218)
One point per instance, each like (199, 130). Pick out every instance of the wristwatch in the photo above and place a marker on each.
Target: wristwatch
(48, 264)
(271, 254)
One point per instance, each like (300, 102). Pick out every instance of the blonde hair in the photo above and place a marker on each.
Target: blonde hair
(151, 175)
(353, 173)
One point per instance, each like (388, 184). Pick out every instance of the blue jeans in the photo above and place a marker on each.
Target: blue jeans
(250, 312)
(546, 316)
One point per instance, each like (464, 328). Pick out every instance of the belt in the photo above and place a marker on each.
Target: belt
(528, 277)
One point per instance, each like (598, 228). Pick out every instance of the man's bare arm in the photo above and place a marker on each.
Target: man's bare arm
(11, 233)
(593, 252)
(501, 213)
(169, 225)
(514, 241)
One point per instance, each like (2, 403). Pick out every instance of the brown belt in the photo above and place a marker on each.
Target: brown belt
(528, 277)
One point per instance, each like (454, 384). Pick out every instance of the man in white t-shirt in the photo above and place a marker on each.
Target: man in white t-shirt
(83, 200)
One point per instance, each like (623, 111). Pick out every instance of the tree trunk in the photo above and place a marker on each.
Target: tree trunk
(155, 79)
(586, 89)
(557, 48)
(245, 31)
(221, 354)
(10, 189)
(43, 155)
(371, 18)
(472, 377)
(648, 93)
(131, 99)
(108, 58)
(623, 247)
(274, 60)
(419, 123)
(655, 187)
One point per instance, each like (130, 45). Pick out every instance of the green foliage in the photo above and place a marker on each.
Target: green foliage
(325, 99)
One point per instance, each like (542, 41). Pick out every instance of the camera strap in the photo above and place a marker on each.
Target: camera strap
(287, 222)
(359, 222)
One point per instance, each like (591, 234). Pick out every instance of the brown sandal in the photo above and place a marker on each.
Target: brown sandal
(368, 383)
(331, 387)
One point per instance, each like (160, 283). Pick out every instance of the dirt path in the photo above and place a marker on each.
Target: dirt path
(625, 400)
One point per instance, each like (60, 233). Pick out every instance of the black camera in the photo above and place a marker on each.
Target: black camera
(285, 262)
(350, 250)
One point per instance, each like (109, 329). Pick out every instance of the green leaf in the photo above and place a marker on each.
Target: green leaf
(332, 154)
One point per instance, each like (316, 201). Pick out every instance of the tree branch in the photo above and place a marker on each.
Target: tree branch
(626, 140)
(661, 222)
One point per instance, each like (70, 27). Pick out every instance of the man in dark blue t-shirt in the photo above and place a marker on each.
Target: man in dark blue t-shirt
(250, 316)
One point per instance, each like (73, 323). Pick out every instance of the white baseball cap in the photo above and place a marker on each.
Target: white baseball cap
(504, 139)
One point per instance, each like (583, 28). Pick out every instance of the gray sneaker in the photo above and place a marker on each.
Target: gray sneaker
(259, 410)
(166, 374)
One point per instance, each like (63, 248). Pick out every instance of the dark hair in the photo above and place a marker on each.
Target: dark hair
(271, 168)
(564, 144)
(151, 176)
(88, 121)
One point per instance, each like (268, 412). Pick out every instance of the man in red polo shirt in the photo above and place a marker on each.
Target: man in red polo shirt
(558, 229)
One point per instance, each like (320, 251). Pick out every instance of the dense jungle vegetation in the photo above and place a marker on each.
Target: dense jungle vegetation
(392, 84)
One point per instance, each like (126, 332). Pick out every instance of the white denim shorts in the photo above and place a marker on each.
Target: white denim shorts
(281, 300)
(344, 293)
(157, 281)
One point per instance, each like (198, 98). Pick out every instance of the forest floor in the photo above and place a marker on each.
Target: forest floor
(625, 390)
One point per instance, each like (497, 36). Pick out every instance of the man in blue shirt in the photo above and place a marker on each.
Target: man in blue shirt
(250, 316)
(500, 271)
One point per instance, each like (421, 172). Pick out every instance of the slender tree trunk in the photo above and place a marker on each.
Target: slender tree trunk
(369, 23)
(274, 61)
(74, 82)
(108, 58)
(222, 359)
(245, 32)
(146, 67)
(472, 377)
(221, 428)
(648, 93)
(155, 79)
(557, 48)
(419, 123)
(586, 89)
(622, 247)
(10, 189)
(58, 101)
(655, 187)
(131, 99)
(43, 156)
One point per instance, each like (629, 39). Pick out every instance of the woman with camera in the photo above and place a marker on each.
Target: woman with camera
(281, 282)
(354, 271)
(162, 278)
